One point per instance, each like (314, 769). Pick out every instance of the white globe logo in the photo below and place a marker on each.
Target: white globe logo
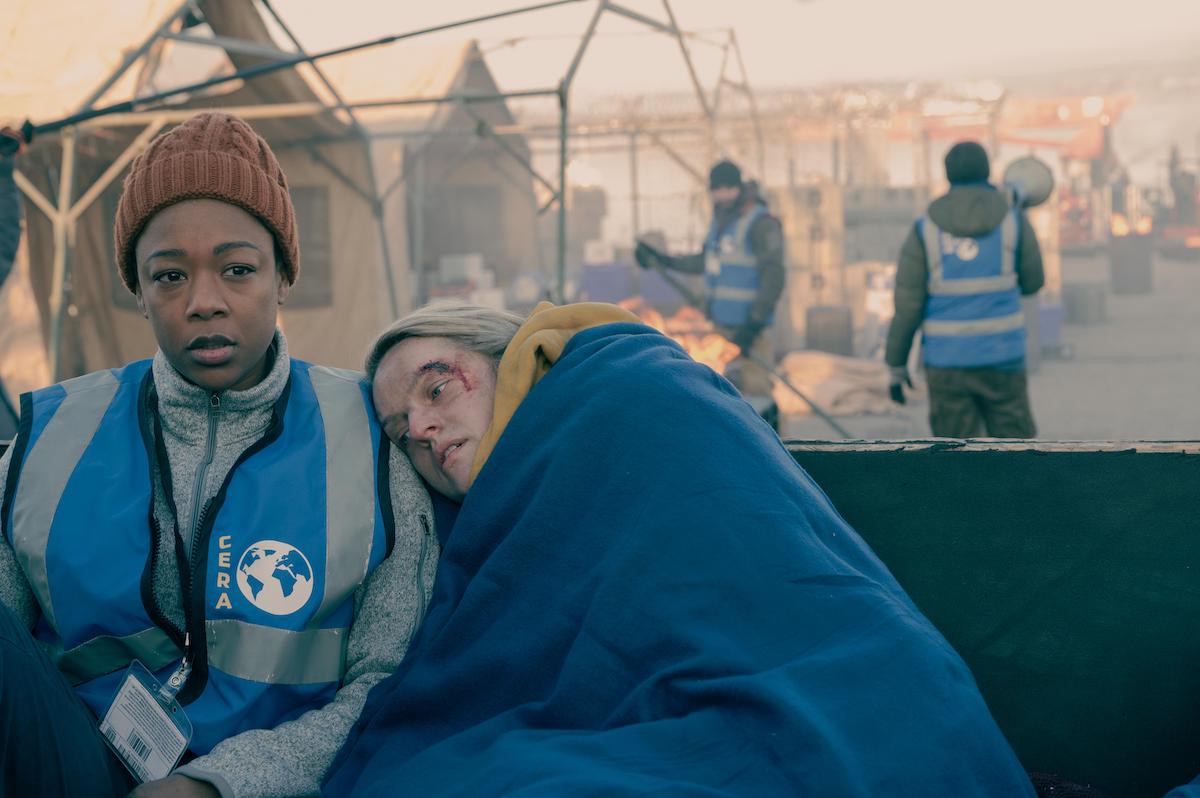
(275, 577)
(967, 249)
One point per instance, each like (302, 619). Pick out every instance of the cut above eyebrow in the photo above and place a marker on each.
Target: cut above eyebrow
(228, 245)
(432, 367)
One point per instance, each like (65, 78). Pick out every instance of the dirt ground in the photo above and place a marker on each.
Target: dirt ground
(1133, 376)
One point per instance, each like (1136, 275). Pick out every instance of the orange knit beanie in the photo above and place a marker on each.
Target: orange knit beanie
(210, 156)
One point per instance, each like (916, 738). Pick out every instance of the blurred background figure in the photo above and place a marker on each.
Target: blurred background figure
(742, 264)
(962, 272)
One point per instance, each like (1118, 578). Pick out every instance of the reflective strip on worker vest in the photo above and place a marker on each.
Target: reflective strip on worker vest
(737, 275)
(276, 656)
(1014, 321)
(939, 285)
(974, 285)
(742, 255)
(245, 650)
(46, 471)
(738, 294)
(737, 259)
(105, 654)
(349, 482)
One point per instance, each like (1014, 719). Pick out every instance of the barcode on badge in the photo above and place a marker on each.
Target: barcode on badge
(138, 745)
(133, 742)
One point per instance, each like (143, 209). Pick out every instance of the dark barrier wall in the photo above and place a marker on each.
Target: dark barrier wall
(1067, 576)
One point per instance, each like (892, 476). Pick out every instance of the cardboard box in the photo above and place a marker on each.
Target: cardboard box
(461, 268)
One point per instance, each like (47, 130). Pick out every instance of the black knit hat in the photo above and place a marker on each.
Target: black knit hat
(967, 162)
(725, 173)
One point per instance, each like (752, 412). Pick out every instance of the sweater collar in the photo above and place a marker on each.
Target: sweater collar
(180, 401)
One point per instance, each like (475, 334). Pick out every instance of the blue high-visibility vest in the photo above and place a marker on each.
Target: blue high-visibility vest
(278, 553)
(731, 270)
(973, 315)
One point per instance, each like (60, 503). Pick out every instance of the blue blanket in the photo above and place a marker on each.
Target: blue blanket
(643, 593)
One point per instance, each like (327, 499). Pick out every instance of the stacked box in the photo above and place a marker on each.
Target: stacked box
(467, 268)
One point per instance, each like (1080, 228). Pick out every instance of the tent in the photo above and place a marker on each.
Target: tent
(343, 296)
(467, 187)
(350, 188)
(463, 164)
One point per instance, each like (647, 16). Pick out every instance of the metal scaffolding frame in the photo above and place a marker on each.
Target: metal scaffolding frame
(65, 213)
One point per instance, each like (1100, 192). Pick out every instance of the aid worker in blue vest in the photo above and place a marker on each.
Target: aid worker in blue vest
(961, 275)
(742, 262)
(208, 558)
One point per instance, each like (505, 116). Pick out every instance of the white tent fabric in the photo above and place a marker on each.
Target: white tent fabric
(400, 71)
(103, 328)
(54, 59)
(55, 56)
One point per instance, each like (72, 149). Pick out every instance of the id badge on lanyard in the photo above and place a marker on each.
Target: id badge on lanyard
(145, 725)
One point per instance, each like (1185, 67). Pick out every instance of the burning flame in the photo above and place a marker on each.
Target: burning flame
(691, 330)
(1120, 225)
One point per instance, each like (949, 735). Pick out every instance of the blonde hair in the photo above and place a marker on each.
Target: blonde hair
(484, 330)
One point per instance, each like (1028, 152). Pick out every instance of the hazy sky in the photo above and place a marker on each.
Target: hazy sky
(786, 41)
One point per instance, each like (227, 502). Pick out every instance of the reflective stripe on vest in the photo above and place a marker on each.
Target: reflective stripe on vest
(266, 654)
(295, 655)
(106, 653)
(350, 482)
(973, 315)
(940, 286)
(732, 274)
(738, 294)
(998, 324)
(247, 651)
(69, 430)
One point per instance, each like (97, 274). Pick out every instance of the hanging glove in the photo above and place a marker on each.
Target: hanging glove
(13, 140)
(744, 336)
(897, 379)
(646, 256)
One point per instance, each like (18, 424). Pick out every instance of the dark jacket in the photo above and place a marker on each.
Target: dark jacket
(766, 242)
(10, 218)
(965, 210)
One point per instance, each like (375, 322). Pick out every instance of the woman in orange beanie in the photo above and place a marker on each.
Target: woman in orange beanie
(210, 557)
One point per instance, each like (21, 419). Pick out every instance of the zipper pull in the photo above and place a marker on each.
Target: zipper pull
(167, 693)
(214, 401)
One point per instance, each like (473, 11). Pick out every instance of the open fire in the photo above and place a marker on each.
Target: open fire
(1121, 226)
(691, 330)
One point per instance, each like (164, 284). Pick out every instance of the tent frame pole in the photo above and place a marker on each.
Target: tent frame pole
(65, 216)
(64, 238)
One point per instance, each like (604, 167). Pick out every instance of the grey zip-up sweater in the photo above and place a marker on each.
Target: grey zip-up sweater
(203, 440)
